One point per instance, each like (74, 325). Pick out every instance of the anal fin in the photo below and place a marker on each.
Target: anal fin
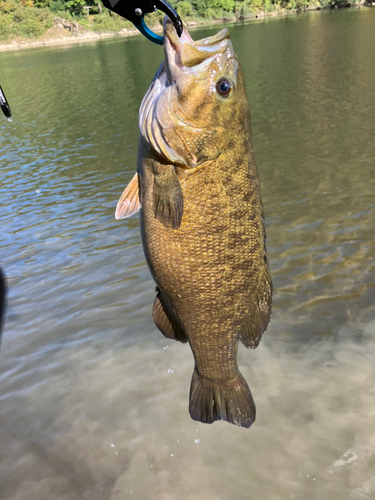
(165, 319)
(129, 203)
(259, 314)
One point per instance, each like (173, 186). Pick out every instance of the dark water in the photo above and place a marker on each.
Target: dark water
(88, 409)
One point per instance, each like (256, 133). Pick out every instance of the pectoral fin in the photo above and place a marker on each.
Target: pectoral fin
(259, 313)
(165, 319)
(168, 199)
(129, 203)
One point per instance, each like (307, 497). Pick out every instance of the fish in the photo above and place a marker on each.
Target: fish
(201, 218)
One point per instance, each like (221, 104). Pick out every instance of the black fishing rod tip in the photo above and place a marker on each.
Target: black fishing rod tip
(5, 108)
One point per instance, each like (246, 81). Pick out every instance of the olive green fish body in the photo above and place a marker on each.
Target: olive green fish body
(202, 226)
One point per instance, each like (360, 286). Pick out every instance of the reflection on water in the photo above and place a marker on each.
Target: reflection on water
(93, 397)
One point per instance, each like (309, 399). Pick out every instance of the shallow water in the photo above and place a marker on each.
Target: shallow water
(90, 407)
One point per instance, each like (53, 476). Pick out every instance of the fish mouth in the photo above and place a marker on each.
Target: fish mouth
(185, 56)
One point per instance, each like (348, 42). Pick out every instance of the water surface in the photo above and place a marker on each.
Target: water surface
(89, 405)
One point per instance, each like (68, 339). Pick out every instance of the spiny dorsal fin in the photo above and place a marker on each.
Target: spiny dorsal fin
(129, 203)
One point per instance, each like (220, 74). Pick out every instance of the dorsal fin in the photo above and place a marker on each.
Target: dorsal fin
(129, 203)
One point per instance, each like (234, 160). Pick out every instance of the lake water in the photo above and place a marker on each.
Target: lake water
(89, 405)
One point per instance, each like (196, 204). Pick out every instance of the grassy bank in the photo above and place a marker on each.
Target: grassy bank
(28, 19)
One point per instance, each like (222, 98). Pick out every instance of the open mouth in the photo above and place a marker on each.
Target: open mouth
(186, 53)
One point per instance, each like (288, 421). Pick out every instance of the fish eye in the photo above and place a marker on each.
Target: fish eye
(224, 87)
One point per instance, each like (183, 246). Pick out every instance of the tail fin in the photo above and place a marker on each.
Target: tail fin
(216, 400)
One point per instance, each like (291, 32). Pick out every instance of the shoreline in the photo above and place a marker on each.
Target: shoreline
(53, 37)
(63, 39)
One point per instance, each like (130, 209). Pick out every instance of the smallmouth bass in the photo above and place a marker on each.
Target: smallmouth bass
(201, 217)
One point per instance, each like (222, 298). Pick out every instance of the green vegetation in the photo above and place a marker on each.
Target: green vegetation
(32, 18)
(22, 19)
